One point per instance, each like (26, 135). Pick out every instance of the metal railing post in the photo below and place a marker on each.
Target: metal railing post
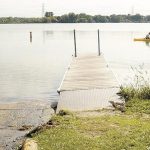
(99, 52)
(75, 47)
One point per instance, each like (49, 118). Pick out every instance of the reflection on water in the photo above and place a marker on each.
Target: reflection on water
(30, 37)
(147, 44)
(33, 71)
(47, 35)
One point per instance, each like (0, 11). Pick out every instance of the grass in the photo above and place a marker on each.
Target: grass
(138, 106)
(130, 92)
(115, 131)
(120, 131)
(139, 88)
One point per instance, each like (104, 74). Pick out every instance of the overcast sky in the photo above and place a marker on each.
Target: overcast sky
(33, 8)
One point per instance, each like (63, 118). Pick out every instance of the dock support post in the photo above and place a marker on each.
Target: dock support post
(99, 52)
(31, 37)
(75, 47)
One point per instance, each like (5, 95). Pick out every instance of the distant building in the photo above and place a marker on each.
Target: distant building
(49, 14)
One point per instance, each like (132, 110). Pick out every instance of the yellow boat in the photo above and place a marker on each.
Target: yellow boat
(142, 39)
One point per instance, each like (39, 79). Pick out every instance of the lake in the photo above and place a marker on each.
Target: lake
(34, 70)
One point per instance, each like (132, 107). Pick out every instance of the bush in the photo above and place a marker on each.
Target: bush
(139, 88)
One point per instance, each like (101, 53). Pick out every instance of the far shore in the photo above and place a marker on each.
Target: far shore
(49, 17)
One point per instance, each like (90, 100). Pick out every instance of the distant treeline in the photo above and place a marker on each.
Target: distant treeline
(79, 18)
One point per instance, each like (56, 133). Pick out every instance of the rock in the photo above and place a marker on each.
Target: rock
(54, 106)
(118, 106)
(30, 144)
(62, 113)
(25, 127)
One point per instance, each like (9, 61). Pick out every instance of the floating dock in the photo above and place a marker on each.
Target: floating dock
(88, 84)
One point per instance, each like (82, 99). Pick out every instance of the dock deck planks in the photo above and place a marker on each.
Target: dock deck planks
(88, 84)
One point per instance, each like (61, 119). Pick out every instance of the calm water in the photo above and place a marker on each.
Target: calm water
(33, 71)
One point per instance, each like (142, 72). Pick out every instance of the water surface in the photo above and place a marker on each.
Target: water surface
(33, 71)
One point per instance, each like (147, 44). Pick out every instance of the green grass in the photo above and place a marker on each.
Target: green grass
(105, 131)
(120, 131)
(138, 106)
(130, 92)
(139, 88)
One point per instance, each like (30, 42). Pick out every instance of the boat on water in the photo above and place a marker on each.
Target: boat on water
(142, 39)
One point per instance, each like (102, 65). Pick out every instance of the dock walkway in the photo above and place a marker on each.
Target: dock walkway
(88, 84)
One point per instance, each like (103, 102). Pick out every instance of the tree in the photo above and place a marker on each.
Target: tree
(64, 19)
(72, 18)
(137, 18)
(115, 18)
(147, 18)
(49, 14)
(99, 18)
(83, 18)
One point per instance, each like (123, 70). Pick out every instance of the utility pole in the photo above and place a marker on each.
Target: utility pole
(43, 10)
(132, 11)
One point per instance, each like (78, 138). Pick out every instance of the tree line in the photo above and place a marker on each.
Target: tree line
(79, 18)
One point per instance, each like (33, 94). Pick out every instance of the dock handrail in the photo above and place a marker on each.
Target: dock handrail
(75, 43)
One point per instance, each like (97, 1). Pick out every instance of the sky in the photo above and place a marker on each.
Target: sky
(33, 8)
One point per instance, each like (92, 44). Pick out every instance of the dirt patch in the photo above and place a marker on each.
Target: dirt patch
(96, 113)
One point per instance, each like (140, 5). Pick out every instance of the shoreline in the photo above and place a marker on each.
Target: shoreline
(19, 118)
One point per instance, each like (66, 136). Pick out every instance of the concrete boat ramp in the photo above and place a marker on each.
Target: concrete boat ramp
(13, 116)
(88, 84)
